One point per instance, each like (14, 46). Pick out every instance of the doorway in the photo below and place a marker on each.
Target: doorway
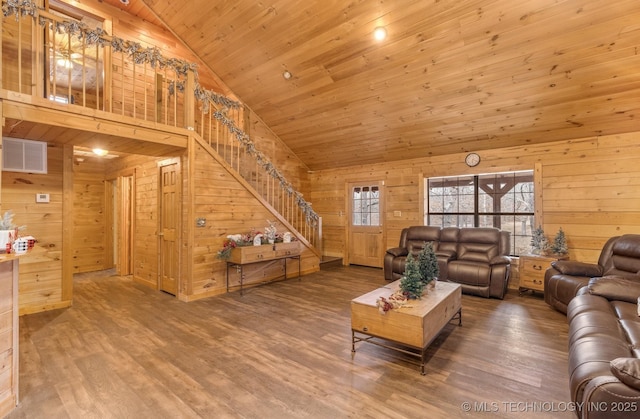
(366, 230)
(120, 216)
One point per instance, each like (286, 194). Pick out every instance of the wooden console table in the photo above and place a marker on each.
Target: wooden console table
(413, 327)
(246, 255)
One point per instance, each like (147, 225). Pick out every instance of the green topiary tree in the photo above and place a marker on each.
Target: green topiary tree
(411, 283)
(559, 245)
(539, 243)
(428, 263)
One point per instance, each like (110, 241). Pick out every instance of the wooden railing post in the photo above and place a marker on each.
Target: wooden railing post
(189, 101)
(1, 63)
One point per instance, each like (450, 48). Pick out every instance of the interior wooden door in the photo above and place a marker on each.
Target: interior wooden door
(366, 230)
(169, 210)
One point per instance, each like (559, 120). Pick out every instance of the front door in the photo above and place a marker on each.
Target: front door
(169, 210)
(366, 234)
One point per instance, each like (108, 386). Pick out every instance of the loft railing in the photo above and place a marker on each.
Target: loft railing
(63, 60)
(51, 56)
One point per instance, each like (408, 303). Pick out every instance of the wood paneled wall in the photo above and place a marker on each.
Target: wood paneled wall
(282, 157)
(590, 188)
(228, 209)
(145, 236)
(209, 192)
(89, 224)
(40, 285)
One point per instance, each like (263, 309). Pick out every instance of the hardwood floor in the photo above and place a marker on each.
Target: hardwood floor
(282, 350)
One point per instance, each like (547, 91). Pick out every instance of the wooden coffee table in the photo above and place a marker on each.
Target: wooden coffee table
(411, 328)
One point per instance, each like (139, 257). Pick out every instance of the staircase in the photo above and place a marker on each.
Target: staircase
(217, 128)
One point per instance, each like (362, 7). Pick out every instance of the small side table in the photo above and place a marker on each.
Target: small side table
(532, 269)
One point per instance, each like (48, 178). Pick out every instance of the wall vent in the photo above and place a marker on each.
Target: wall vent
(20, 155)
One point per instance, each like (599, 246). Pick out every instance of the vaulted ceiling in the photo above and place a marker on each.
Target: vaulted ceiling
(452, 75)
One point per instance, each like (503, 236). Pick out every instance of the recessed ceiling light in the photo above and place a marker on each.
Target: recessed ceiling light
(125, 2)
(287, 75)
(100, 152)
(379, 33)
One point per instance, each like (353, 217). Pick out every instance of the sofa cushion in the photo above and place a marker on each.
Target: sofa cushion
(479, 244)
(470, 273)
(627, 370)
(448, 241)
(417, 236)
(616, 288)
(423, 233)
(625, 258)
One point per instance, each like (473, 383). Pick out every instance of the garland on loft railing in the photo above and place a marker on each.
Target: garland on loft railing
(19, 8)
(153, 57)
(137, 53)
(267, 165)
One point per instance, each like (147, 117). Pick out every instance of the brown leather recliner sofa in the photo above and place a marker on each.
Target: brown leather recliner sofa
(476, 258)
(620, 256)
(604, 348)
(601, 303)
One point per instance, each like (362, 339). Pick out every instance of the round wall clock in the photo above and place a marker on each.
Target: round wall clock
(472, 159)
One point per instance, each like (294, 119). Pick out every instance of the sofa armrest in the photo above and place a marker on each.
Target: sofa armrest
(446, 254)
(608, 390)
(398, 251)
(615, 288)
(500, 260)
(572, 267)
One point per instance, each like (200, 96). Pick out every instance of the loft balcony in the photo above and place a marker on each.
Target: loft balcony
(70, 82)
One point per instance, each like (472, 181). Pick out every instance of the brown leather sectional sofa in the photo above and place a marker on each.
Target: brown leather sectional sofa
(601, 303)
(476, 258)
(566, 277)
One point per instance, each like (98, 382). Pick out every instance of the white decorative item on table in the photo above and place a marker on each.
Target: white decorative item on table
(270, 231)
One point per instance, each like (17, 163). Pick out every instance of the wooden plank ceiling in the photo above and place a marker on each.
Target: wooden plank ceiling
(452, 76)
